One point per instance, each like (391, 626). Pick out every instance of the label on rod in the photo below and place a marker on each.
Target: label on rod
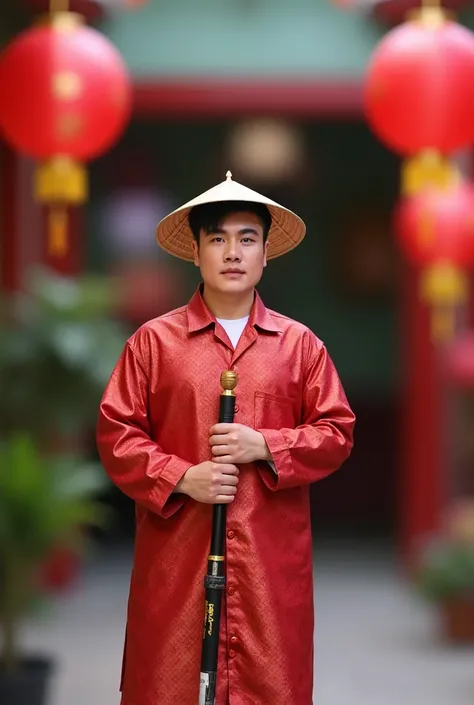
(203, 688)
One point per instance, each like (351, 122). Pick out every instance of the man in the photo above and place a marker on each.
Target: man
(160, 444)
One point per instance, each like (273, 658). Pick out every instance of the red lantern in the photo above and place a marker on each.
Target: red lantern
(438, 225)
(460, 362)
(66, 97)
(418, 93)
(435, 229)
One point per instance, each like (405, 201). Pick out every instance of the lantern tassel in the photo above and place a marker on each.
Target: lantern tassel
(57, 230)
(444, 287)
(61, 179)
(60, 182)
(429, 168)
(443, 323)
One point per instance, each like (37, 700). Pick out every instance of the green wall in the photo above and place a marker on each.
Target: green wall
(244, 37)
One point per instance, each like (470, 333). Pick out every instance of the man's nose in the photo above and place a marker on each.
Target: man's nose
(232, 253)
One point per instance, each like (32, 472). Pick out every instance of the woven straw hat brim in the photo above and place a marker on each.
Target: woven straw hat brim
(174, 235)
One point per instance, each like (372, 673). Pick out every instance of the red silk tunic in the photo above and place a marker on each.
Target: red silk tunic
(154, 421)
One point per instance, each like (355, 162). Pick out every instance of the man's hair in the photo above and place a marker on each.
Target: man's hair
(209, 216)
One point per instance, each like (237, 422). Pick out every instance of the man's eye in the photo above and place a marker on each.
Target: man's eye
(217, 239)
(248, 239)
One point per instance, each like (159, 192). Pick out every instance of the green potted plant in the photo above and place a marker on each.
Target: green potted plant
(44, 503)
(60, 341)
(446, 574)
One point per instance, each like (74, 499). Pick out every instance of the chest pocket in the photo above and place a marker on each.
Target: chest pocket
(273, 411)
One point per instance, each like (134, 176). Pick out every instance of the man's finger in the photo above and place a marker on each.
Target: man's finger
(217, 440)
(220, 450)
(230, 480)
(228, 490)
(224, 459)
(229, 468)
(222, 428)
(224, 499)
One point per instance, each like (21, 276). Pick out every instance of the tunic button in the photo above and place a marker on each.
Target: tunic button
(233, 640)
(236, 409)
(230, 534)
(231, 590)
(231, 653)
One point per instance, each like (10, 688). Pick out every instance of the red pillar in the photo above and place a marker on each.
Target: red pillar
(9, 240)
(422, 462)
(20, 219)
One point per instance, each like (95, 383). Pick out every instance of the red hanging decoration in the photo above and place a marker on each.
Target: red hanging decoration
(437, 225)
(66, 98)
(435, 230)
(418, 92)
(460, 362)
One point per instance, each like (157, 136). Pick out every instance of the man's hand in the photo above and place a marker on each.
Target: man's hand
(235, 443)
(210, 482)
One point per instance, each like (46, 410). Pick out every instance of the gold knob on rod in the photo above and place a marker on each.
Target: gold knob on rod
(229, 382)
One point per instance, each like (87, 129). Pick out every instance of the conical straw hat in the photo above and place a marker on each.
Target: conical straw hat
(174, 235)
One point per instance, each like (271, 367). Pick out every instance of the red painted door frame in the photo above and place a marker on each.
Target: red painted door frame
(234, 97)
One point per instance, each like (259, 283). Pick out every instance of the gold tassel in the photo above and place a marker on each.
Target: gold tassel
(61, 179)
(429, 168)
(60, 182)
(57, 230)
(443, 324)
(444, 287)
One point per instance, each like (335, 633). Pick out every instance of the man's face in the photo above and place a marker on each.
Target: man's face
(232, 258)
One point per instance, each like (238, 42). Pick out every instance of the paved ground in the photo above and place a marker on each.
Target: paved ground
(376, 644)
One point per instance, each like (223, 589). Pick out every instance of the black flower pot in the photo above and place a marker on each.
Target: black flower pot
(28, 685)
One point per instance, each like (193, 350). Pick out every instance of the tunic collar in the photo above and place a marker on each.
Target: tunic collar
(200, 317)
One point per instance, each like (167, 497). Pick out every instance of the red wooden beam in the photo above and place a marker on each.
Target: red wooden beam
(395, 11)
(230, 97)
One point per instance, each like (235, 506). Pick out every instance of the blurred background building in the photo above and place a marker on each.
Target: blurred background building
(273, 91)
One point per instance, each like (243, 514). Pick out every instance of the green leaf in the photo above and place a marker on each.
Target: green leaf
(59, 347)
(43, 503)
(446, 570)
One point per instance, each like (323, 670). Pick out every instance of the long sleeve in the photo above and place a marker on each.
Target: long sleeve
(323, 441)
(132, 460)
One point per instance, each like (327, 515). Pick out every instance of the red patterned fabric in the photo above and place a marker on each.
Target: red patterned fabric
(154, 424)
